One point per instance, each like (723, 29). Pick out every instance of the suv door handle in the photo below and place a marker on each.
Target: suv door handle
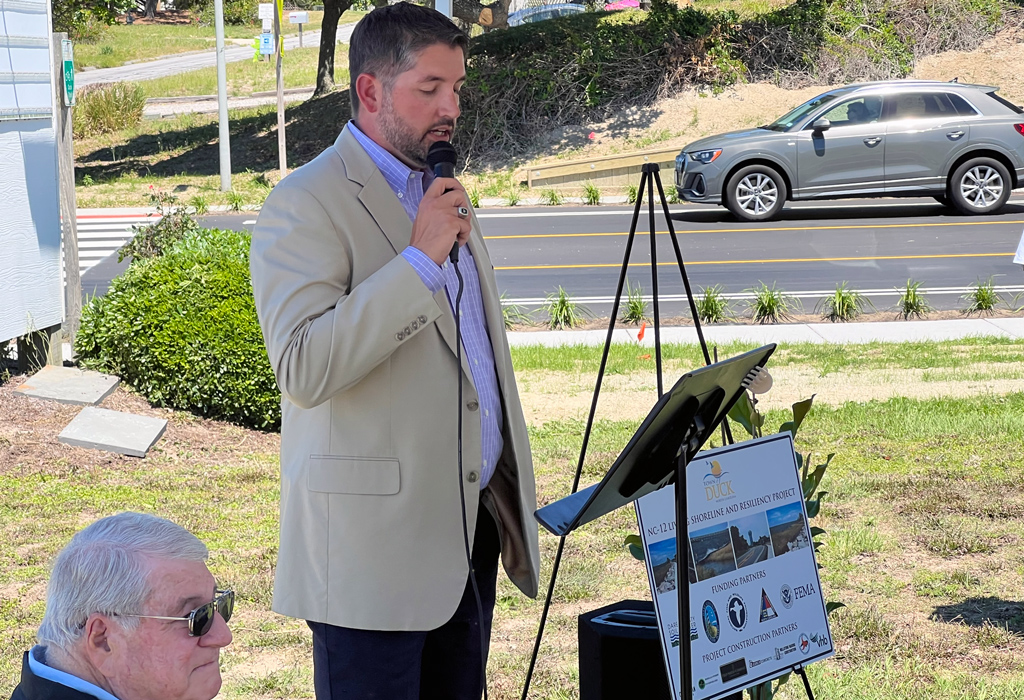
(954, 134)
(873, 140)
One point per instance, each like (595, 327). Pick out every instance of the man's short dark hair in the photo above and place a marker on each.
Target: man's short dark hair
(386, 41)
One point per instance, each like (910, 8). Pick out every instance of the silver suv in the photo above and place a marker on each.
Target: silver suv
(961, 144)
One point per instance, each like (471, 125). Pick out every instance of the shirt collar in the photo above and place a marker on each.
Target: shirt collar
(395, 172)
(37, 664)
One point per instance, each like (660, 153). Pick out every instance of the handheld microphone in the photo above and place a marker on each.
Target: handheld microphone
(441, 159)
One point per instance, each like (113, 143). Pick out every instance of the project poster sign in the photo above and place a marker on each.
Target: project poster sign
(756, 608)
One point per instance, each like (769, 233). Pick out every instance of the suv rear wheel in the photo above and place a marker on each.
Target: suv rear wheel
(755, 193)
(980, 186)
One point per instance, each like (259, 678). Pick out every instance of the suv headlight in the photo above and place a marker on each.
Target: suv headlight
(705, 157)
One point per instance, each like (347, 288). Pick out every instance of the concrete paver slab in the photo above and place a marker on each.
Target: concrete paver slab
(1012, 326)
(893, 332)
(113, 431)
(69, 385)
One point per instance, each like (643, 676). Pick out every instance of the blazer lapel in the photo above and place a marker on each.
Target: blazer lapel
(380, 200)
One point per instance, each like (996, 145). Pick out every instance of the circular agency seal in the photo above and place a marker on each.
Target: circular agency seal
(712, 627)
(737, 612)
(786, 594)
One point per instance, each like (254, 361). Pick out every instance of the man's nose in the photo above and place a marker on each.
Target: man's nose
(219, 634)
(450, 106)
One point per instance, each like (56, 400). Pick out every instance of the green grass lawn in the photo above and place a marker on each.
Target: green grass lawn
(247, 77)
(122, 43)
(924, 515)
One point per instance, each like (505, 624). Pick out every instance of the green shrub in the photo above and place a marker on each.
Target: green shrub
(712, 306)
(237, 12)
(236, 200)
(107, 108)
(844, 304)
(563, 311)
(770, 305)
(551, 197)
(512, 195)
(512, 313)
(151, 240)
(635, 311)
(912, 302)
(181, 329)
(631, 194)
(474, 197)
(982, 299)
(591, 193)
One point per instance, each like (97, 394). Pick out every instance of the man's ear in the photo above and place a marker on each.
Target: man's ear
(370, 93)
(100, 649)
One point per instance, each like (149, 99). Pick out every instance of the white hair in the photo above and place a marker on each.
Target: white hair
(105, 569)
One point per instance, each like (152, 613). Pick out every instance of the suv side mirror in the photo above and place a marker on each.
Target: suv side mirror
(821, 124)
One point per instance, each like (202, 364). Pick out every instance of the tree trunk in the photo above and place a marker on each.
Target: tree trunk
(493, 16)
(151, 8)
(333, 9)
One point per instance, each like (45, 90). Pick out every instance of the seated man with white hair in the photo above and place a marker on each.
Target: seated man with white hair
(132, 613)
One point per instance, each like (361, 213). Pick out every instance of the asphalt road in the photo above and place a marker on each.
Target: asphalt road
(873, 245)
(193, 60)
(753, 556)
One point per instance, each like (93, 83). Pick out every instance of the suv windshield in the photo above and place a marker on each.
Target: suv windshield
(786, 122)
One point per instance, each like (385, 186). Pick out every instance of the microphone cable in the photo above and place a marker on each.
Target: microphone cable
(454, 258)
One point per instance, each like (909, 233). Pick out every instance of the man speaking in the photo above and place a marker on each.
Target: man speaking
(355, 297)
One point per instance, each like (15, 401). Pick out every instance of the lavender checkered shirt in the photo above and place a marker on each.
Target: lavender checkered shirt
(408, 185)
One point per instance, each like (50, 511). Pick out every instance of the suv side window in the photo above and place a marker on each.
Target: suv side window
(860, 110)
(928, 105)
(962, 106)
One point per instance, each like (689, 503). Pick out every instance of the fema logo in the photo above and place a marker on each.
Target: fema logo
(786, 594)
(737, 610)
(712, 627)
(701, 684)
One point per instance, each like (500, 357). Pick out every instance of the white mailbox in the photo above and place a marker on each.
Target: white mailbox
(298, 17)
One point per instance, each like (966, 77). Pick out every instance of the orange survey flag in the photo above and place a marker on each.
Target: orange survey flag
(640, 335)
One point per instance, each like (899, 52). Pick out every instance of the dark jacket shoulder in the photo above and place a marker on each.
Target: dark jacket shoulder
(32, 687)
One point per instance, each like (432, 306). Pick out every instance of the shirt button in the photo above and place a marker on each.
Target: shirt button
(487, 412)
(472, 405)
(473, 476)
(399, 195)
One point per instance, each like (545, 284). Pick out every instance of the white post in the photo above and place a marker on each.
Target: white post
(279, 46)
(444, 7)
(222, 99)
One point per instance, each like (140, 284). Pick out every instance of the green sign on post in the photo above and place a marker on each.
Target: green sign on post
(69, 72)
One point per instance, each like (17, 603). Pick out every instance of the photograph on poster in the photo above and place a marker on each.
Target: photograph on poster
(712, 551)
(663, 564)
(787, 528)
(751, 539)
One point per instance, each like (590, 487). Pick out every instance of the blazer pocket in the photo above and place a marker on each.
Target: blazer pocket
(355, 475)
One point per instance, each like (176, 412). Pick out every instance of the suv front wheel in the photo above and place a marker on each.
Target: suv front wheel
(980, 186)
(755, 193)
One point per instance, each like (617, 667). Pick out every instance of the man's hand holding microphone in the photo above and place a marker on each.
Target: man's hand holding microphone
(442, 221)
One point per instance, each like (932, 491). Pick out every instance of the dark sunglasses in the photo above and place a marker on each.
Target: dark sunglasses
(200, 620)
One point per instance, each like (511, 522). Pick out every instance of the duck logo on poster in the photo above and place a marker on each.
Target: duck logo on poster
(715, 486)
(737, 610)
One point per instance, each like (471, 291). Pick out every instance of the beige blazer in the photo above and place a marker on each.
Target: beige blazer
(371, 527)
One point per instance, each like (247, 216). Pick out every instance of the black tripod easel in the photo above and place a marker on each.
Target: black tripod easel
(650, 175)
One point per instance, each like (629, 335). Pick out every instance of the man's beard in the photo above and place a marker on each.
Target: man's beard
(413, 147)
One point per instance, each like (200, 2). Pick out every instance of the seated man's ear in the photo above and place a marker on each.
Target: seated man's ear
(99, 648)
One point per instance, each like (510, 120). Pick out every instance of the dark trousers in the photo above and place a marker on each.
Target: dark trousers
(445, 663)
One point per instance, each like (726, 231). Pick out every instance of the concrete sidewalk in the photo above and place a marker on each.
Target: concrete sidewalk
(845, 333)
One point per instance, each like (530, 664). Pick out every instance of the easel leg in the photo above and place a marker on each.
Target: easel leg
(807, 683)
